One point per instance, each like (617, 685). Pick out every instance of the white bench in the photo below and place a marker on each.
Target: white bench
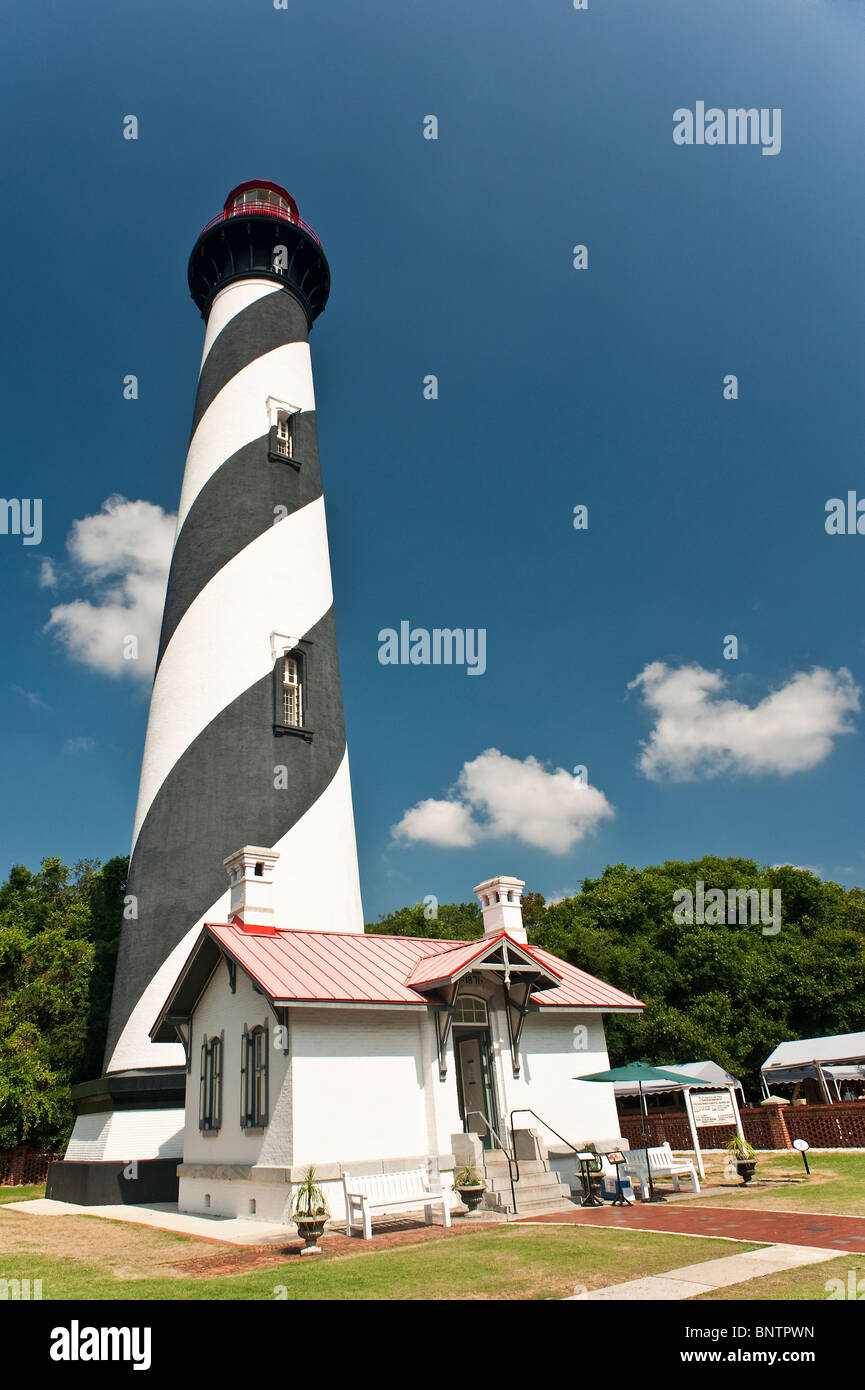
(662, 1164)
(366, 1197)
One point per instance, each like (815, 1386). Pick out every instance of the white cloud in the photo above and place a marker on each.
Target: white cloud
(79, 745)
(47, 574)
(700, 732)
(122, 555)
(33, 698)
(448, 824)
(496, 797)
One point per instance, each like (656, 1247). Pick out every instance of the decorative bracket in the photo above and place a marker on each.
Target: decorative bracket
(516, 1010)
(444, 1017)
(183, 1028)
(280, 1013)
(232, 972)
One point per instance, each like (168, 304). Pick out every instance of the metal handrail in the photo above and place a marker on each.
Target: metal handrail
(526, 1110)
(269, 208)
(513, 1161)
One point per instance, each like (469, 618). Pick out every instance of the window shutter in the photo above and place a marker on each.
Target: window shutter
(265, 1068)
(202, 1095)
(217, 1083)
(244, 1104)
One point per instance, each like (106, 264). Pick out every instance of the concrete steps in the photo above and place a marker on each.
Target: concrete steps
(538, 1189)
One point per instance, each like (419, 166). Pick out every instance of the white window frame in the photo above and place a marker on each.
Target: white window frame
(292, 663)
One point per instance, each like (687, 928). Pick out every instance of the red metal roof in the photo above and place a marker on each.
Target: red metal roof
(352, 967)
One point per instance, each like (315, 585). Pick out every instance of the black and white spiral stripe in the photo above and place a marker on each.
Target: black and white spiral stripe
(237, 577)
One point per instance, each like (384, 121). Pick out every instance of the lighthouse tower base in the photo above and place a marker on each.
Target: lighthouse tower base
(133, 1121)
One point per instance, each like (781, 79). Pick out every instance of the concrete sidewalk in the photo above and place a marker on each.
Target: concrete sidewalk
(691, 1280)
(164, 1216)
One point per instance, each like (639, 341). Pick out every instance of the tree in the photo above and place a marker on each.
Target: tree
(58, 931)
(454, 921)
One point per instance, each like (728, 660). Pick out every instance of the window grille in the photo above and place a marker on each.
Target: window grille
(292, 693)
(470, 1009)
(285, 436)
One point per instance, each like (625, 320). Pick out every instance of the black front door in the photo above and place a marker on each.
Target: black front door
(475, 1083)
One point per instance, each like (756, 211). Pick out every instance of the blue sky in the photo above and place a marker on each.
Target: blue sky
(556, 387)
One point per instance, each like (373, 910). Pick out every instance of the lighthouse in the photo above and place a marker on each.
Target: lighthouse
(245, 741)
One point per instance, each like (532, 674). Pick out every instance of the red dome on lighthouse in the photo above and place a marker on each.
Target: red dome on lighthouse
(260, 195)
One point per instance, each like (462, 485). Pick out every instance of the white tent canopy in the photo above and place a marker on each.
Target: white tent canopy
(839, 1057)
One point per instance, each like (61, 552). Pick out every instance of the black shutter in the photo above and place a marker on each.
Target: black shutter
(202, 1094)
(219, 1048)
(266, 1068)
(244, 1109)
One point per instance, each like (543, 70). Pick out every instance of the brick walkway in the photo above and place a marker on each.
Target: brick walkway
(844, 1233)
(386, 1235)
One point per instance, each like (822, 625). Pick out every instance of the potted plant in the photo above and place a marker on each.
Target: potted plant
(310, 1212)
(745, 1157)
(470, 1185)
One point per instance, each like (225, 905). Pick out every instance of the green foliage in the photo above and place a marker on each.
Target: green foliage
(740, 1149)
(58, 941)
(468, 1176)
(455, 921)
(309, 1201)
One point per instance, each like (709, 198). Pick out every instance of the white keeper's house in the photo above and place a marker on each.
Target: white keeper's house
(368, 1054)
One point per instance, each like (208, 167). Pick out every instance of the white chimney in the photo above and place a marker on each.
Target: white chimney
(250, 873)
(500, 904)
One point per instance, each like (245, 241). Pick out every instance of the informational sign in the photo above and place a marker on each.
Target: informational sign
(712, 1108)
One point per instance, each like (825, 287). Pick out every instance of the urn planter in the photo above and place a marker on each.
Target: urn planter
(471, 1196)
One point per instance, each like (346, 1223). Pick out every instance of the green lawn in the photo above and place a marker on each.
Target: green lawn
(796, 1285)
(21, 1194)
(106, 1260)
(836, 1185)
(80, 1257)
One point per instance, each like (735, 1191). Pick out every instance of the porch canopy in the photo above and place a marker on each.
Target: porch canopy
(832, 1059)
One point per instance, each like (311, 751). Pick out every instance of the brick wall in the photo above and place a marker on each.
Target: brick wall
(840, 1126)
(23, 1166)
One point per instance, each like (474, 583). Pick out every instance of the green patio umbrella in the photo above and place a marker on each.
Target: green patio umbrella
(640, 1072)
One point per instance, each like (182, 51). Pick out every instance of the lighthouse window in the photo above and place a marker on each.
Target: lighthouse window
(282, 437)
(285, 436)
(253, 1078)
(210, 1105)
(292, 693)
